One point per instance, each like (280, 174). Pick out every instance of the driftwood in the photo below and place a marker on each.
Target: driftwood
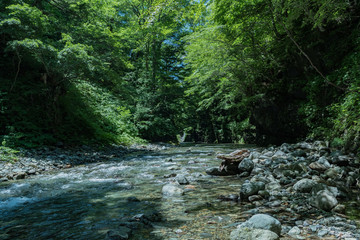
(231, 161)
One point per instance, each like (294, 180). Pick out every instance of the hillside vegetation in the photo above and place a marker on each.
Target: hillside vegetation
(256, 71)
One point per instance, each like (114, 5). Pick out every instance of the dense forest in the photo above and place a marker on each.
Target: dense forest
(125, 71)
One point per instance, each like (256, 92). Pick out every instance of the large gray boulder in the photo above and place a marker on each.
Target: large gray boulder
(304, 185)
(251, 234)
(263, 221)
(171, 190)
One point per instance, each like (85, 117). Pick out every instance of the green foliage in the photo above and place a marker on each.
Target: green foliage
(8, 154)
(117, 71)
(94, 113)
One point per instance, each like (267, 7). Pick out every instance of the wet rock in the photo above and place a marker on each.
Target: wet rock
(182, 180)
(246, 165)
(325, 200)
(122, 233)
(251, 234)
(172, 190)
(263, 221)
(304, 185)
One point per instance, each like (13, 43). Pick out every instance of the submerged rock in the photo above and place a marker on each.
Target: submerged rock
(122, 233)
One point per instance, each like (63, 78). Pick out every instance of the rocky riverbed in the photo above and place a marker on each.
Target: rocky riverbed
(298, 191)
(309, 187)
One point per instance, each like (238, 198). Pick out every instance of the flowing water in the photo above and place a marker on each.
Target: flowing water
(86, 201)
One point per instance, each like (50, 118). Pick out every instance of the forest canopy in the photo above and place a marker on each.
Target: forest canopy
(121, 71)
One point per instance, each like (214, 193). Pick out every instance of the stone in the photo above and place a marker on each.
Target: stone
(279, 154)
(299, 153)
(215, 172)
(340, 208)
(230, 197)
(182, 180)
(323, 160)
(132, 199)
(20, 175)
(325, 200)
(246, 165)
(263, 221)
(251, 234)
(322, 233)
(254, 198)
(318, 166)
(170, 175)
(304, 185)
(122, 233)
(273, 186)
(171, 190)
(249, 189)
(294, 231)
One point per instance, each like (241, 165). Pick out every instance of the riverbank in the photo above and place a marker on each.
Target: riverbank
(311, 189)
(30, 162)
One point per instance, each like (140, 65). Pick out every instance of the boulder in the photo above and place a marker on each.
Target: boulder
(171, 190)
(251, 234)
(304, 185)
(263, 221)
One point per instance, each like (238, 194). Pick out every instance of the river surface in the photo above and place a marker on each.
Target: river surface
(86, 201)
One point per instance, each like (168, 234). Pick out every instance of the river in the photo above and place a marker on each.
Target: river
(86, 201)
